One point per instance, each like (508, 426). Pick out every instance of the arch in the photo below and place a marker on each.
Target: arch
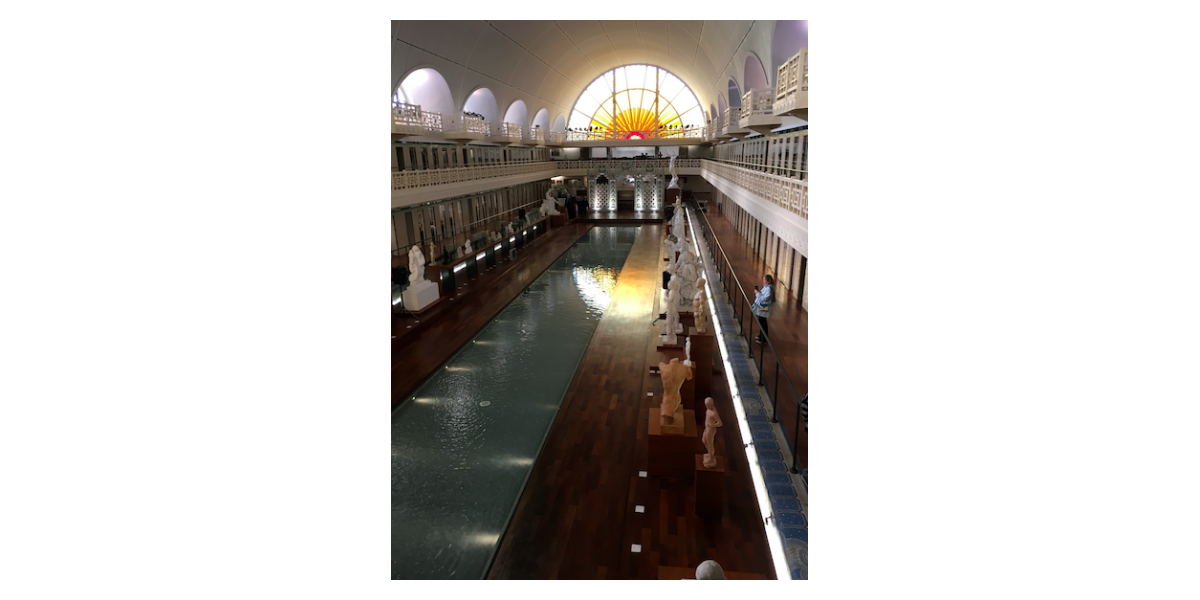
(542, 120)
(517, 113)
(754, 75)
(560, 124)
(721, 104)
(483, 102)
(735, 94)
(631, 100)
(427, 88)
(788, 39)
(712, 112)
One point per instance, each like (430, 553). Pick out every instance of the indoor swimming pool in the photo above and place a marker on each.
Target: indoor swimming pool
(465, 441)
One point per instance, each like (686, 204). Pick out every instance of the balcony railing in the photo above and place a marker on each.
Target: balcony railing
(407, 180)
(757, 103)
(791, 91)
(534, 136)
(786, 192)
(464, 128)
(587, 165)
(504, 132)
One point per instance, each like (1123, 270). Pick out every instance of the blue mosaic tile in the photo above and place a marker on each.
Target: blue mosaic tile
(794, 519)
(756, 418)
(760, 427)
(772, 465)
(783, 491)
(794, 533)
(768, 455)
(785, 504)
(799, 574)
(777, 478)
(763, 435)
(766, 445)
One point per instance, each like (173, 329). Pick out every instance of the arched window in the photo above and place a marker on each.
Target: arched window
(634, 101)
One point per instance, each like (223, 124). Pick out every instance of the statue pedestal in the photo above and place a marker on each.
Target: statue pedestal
(420, 295)
(558, 220)
(671, 455)
(710, 487)
(703, 345)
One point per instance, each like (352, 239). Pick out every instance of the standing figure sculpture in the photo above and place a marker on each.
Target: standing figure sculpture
(689, 275)
(700, 307)
(467, 248)
(674, 185)
(673, 326)
(416, 265)
(711, 422)
(673, 375)
(687, 352)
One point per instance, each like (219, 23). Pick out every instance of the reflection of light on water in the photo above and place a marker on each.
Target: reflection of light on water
(483, 539)
(596, 284)
(514, 461)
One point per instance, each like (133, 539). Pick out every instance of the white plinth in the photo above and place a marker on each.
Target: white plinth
(419, 295)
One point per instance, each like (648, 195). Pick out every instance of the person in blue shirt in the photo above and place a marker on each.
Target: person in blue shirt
(763, 300)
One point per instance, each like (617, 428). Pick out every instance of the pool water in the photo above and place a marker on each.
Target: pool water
(465, 441)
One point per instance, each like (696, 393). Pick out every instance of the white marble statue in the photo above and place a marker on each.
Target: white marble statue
(689, 274)
(509, 229)
(700, 307)
(467, 248)
(711, 422)
(673, 327)
(709, 569)
(674, 185)
(416, 265)
(687, 352)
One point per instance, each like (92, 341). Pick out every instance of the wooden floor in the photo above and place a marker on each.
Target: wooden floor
(419, 348)
(787, 326)
(576, 518)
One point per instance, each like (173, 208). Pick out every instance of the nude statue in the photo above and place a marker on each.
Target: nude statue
(687, 351)
(711, 422)
(700, 307)
(467, 247)
(673, 376)
(549, 205)
(673, 325)
(674, 185)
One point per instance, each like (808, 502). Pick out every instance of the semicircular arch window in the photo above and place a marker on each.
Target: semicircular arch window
(636, 102)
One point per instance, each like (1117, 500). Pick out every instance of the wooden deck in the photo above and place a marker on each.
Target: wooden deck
(576, 518)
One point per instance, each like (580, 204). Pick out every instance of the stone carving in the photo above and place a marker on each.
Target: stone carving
(673, 376)
(688, 273)
(711, 422)
(673, 326)
(416, 265)
(700, 306)
(467, 248)
(549, 206)
(509, 228)
(687, 351)
(674, 185)
(709, 569)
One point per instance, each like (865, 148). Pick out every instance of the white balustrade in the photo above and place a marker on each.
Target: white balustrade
(791, 91)
(462, 127)
(405, 180)
(787, 192)
(407, 118)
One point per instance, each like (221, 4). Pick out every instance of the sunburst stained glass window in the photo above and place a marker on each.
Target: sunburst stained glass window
(636, 102)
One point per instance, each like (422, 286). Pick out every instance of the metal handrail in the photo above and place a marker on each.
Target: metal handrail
(467, 231)
(727, 265)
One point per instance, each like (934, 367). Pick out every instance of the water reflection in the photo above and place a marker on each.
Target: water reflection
(596, 285)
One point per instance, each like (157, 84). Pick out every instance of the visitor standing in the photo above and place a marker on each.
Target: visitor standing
(763, 300)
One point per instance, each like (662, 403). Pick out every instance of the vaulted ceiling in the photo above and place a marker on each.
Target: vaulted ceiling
(547, 64)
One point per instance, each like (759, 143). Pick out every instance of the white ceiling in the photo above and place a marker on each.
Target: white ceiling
(547, 64)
